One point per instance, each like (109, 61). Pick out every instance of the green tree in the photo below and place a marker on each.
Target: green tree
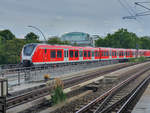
(32, 38)
(120, 39)
(100, 42)
(11, 51)
(145, 42)
(6, 35)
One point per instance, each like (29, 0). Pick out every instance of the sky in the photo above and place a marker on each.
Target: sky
(56, 17)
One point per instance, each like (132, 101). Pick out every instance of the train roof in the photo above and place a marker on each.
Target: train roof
(42, 45)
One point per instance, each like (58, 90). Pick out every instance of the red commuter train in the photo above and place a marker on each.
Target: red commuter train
(34, 53)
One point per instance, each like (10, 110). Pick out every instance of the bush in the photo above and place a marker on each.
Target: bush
(58, 95)
(141, 59)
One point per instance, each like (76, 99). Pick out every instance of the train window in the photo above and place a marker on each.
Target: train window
(71, 53)
(59, 53)
(28, 49)
(92, 53)
(89, 53)
(85, 53)
(53, 53)
(120, 53)
(113, 53)
(81, 53)
(126, 53)
(65, 53)
(104, 53)
(107, 53)
(110, 53)
(76, 53)
(45, 51)
(96, 53)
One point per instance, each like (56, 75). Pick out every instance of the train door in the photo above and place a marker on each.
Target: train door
(81, 54)
(65, 55)
(110, 53)
(93, 56)
(44, 55)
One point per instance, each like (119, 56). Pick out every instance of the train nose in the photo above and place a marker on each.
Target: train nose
(26, 63)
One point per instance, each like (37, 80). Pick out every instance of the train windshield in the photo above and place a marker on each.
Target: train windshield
(28, 49)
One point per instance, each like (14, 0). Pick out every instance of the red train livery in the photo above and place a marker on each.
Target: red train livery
(50, 54)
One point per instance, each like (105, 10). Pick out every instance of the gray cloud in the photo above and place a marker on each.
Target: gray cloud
(55, 17)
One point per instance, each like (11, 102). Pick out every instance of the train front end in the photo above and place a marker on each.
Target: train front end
(27, 53)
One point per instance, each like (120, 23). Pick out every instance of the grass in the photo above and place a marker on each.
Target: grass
(140, 59)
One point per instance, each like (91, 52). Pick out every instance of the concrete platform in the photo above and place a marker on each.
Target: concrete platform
(143, 106)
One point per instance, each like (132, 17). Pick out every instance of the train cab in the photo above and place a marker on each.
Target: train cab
(27, 53)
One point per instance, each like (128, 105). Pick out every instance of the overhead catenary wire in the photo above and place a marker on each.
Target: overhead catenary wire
(133, 11)
(131, 8)
(135, 15)
(144, 13)
(125, 7)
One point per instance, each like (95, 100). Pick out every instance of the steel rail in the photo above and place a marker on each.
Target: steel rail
(120, 103)
(14, 101)
(128, 102)
(109, 92)
(17, 100)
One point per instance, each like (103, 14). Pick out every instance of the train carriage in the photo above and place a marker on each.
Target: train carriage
(55, 54)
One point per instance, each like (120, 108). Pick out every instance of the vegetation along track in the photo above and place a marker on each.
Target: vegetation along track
(112, 100)
(18, 99)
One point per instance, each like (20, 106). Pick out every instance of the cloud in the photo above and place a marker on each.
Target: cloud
(55, 17)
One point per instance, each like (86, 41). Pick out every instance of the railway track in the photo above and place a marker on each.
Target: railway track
(22, 98)
(114, 99)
